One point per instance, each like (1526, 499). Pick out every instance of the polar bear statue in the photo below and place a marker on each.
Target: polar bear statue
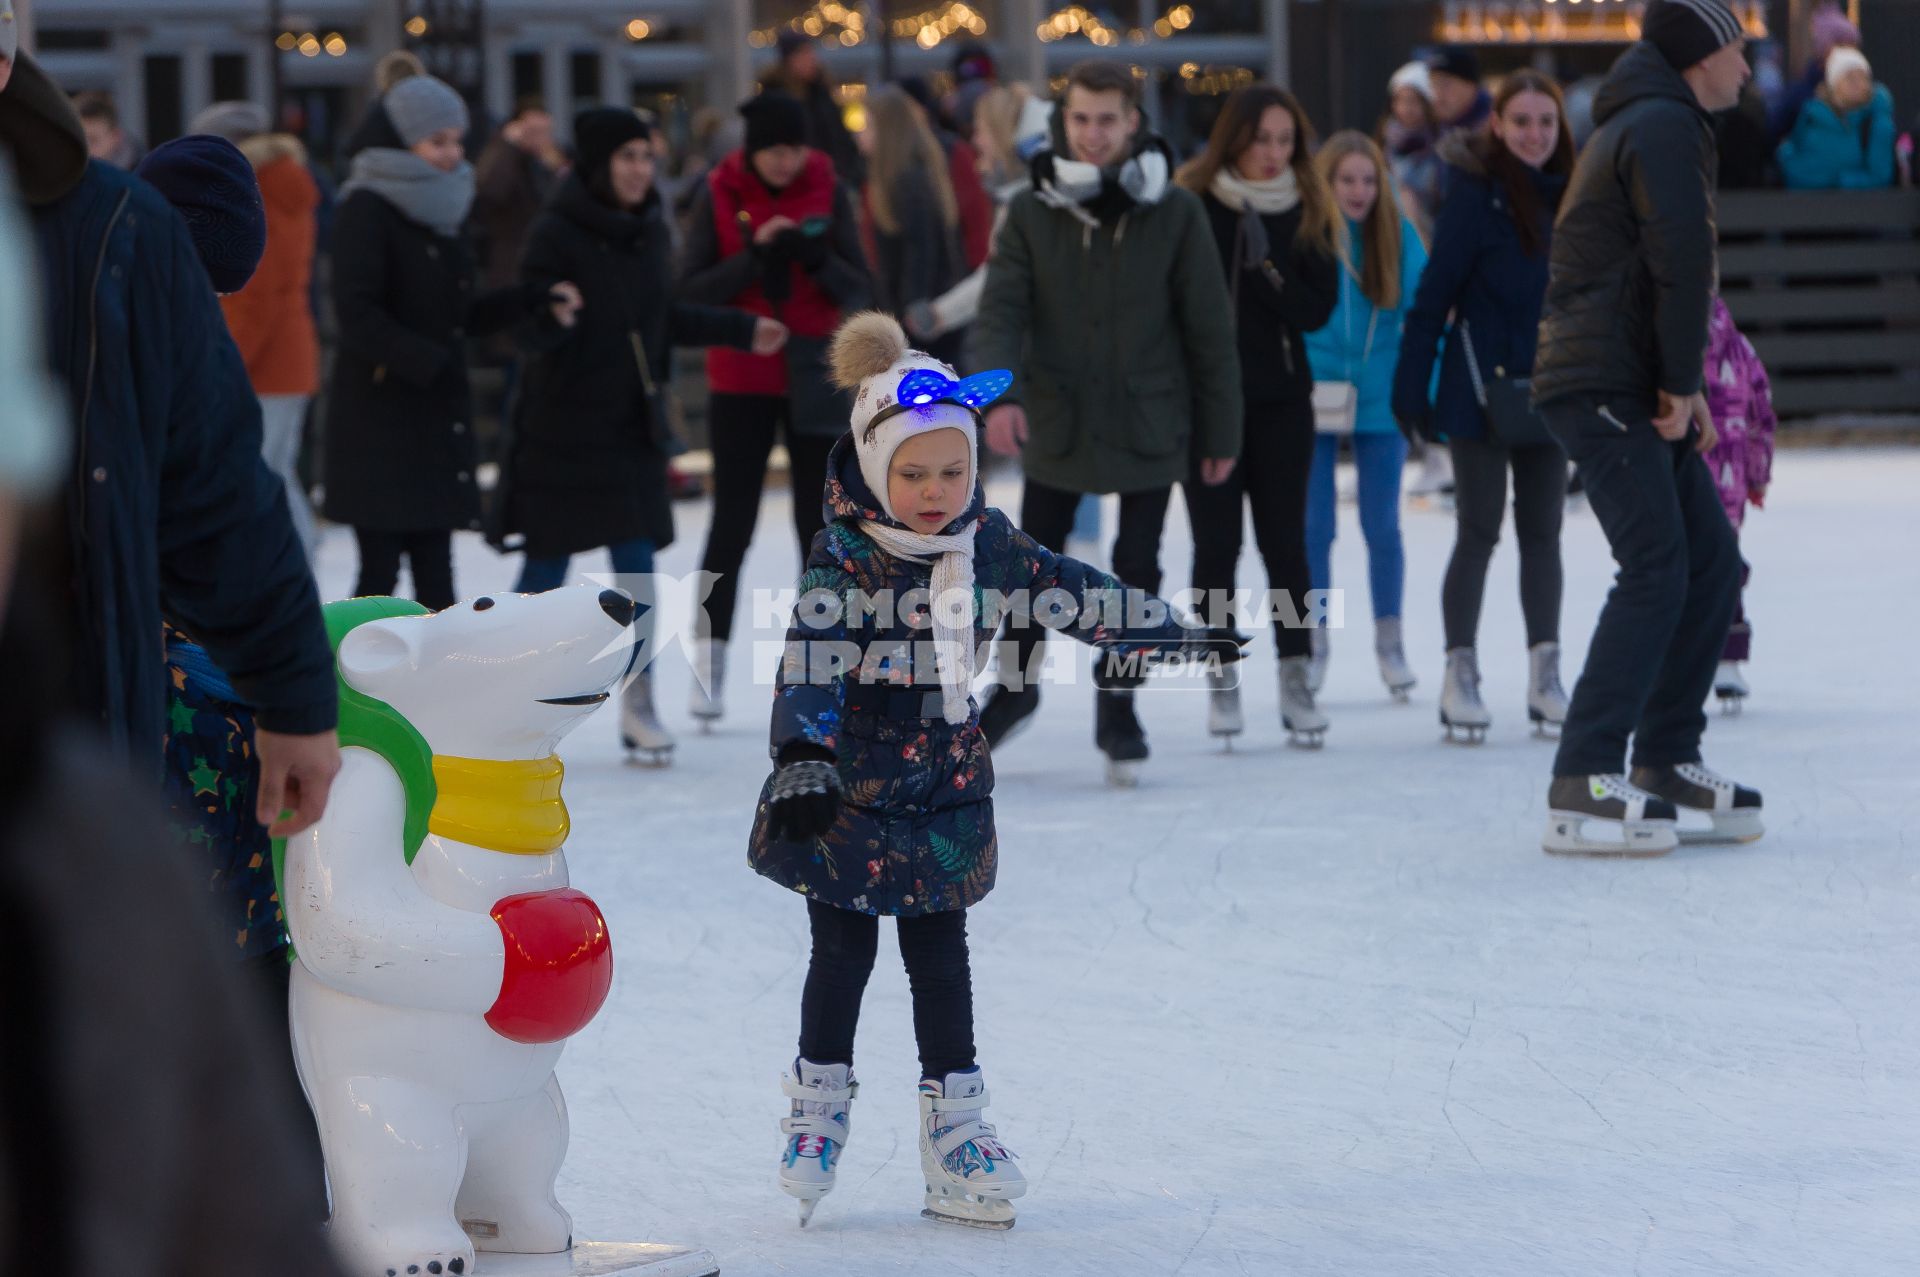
(442, 958)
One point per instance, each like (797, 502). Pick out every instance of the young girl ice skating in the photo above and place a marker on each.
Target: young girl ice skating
(1741, 399)
(880, 801)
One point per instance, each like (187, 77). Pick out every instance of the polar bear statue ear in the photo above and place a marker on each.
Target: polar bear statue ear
(371, 655)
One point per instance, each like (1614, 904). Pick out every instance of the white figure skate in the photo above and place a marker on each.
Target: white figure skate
(816, 1130)
(1730, 687)
(1306, 723)
(1391, 653)
(709, 673)
(1224, 718)
(1546, 699)
(971, 1177)
(1462, 712)
(641, 734)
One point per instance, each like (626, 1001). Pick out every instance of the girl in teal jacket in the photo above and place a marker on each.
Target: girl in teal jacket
(1843, 139)
(1360, 345)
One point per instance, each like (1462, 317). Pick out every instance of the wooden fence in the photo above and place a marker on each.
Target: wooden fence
(1826, 284)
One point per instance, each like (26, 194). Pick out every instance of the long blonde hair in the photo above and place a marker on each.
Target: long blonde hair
(1380, 234)
(1234, 132)
(997, 115)
(903, 141)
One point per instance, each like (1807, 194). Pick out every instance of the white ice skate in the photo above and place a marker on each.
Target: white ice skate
(1306, 723)
(816, 1130)
(1546, 699)
(1733, 811)
(646, 741)
(1224, 718)
(971, 1177)
(1462, 712)
(709, 672)
(1730, 687)
(1321, 645)
(1634, 822)
(1391, 653)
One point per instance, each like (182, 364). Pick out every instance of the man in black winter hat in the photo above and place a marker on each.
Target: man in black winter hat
(1618, 379)
(1459, 100)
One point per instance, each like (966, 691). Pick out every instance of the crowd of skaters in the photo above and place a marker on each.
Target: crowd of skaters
(1400, 277)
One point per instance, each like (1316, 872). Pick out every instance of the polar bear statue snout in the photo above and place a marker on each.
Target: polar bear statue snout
(443, 955)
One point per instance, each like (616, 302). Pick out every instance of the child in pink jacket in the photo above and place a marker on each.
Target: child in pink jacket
(1741, 462)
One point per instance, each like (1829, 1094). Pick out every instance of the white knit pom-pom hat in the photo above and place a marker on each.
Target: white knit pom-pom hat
(902, 392)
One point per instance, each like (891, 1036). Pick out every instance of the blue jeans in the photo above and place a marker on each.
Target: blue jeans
(630, 559)
(1379, 456)
(1651, 661)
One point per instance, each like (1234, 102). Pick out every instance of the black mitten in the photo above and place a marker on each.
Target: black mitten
(804, 800)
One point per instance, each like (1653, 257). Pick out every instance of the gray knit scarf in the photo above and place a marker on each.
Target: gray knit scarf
(424, 194)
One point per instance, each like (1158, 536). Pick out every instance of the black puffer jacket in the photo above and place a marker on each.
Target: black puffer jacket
(1633, 263)
(588, 467)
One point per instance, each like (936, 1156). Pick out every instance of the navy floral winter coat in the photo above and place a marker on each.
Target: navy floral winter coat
(915, 833)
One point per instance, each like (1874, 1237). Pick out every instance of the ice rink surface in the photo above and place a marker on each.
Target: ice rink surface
(1278, 1012)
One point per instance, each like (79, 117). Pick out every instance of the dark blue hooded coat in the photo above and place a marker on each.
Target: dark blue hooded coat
(171, 509)
(915, 833)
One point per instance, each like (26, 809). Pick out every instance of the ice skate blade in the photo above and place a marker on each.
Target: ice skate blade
(1458, 734)
(654, 759)
(1646, 840)
(997, 1225)
(1307, 737)
(1731, 703)
(1401, 695)
(601, 1259)
(1729, 829)
(1123, 775)
(806, 1209)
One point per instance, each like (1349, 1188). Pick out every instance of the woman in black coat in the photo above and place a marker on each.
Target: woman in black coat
(1273, 220)
(1482, 291)
(588, 464)
(399, 454)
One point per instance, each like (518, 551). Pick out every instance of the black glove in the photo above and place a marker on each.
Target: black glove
(804, 800)
(810, 252)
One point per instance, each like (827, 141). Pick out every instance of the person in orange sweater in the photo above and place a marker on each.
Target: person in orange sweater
(271, 319)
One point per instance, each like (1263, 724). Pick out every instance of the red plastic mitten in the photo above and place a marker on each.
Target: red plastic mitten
(559, 965)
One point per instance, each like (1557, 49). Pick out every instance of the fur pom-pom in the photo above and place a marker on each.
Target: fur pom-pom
(866, 345)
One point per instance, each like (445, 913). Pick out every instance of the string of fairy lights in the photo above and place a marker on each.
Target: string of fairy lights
(1562, 21)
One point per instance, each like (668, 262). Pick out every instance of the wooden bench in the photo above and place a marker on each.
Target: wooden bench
(1826, 284)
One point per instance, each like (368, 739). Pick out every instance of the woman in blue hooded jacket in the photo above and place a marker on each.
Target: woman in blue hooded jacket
(1483, 290)
(1358, 347)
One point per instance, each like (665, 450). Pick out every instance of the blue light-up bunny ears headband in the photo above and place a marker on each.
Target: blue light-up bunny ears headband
(924, 387)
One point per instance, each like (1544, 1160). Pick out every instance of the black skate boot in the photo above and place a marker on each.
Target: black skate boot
(1641, 824)
(1117, 732)
(1003, 712)
(1734, 810)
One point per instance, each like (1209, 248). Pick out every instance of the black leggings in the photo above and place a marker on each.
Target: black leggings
(428, 554)
(1046, 515)
(1276, 462)
(740, 430)
(1480, 499)
(934, 948)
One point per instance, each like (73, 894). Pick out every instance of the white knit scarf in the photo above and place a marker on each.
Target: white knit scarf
(950, 603)
(1277, 195)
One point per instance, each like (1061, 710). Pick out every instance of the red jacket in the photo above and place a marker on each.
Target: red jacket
(271, 319)
(742, 204)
